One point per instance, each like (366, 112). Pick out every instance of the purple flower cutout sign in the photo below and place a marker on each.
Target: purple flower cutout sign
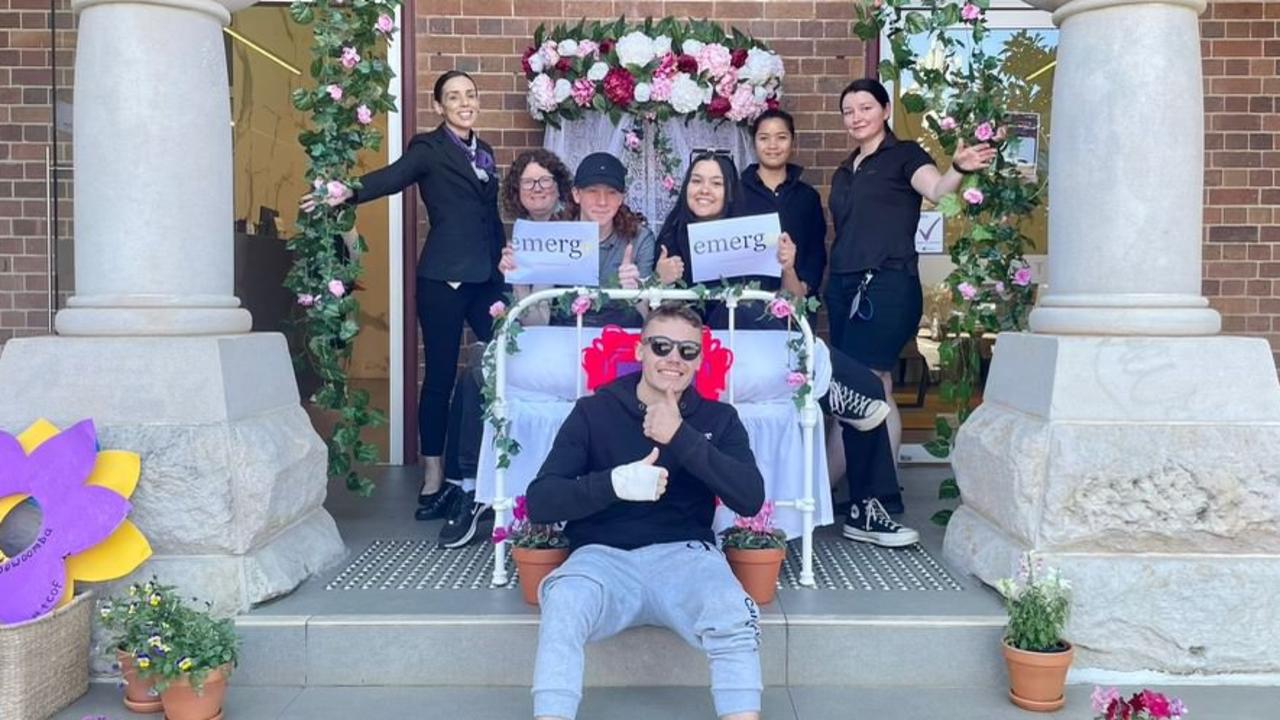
(77, 517)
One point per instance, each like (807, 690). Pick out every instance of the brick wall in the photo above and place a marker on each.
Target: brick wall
(27, 79)
(1241, 49)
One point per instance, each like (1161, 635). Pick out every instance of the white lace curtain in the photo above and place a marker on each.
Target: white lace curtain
(595, 132)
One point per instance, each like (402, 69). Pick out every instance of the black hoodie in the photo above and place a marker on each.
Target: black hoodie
(800, 214)
(708, 457)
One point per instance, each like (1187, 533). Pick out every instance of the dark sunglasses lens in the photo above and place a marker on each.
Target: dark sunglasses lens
(661, 346)
(689, 351)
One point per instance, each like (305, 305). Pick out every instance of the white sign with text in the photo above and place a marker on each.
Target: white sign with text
(556, 253)
(735, 248)
(929, 233)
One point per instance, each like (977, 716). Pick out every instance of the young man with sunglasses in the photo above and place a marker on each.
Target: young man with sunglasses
(635, 472)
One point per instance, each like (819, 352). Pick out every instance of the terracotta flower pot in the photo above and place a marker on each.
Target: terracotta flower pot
(1037, 679)
(757, 570)
(139, 693)
(535, 564)
(182, 702)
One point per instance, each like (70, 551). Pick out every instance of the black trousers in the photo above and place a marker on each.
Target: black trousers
(442, 310)
(868, 456)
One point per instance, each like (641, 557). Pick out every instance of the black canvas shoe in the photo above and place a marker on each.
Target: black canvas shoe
(868, 522)
(437, 504)
(464, 522)
(862, 412)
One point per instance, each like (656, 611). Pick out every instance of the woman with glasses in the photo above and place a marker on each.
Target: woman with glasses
(458, 277)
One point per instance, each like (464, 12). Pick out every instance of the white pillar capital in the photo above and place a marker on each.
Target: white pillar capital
(153, 182)
(1126, 173)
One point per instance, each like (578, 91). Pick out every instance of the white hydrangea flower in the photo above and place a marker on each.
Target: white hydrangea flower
(536, 64)
(686, 94)
(643, 91)
(758, 68)
(563, 90)
(760, 93)
(597, 71)
(661, 45)
(634, 48)
(568, 48)
(542, 94)
(691, 47)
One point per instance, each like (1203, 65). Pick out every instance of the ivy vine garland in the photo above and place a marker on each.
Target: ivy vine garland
(969, 101)
(351, 87)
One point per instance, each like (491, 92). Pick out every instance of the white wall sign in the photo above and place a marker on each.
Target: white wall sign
(930, 233)
(735, 248)
(556, 253)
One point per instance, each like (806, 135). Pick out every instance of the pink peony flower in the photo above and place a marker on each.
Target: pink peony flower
(499, 535)
(743, 105)
(715, 59)
(984, 132)
(718, 107)
(660, 88)
(581, 305)
(521, 510)
(350, 58)
(780, 308)
(796, 379)
(587, 47)
(385, 24)
(335, 92)
(687, 64)
(498, 309)
(1022, 276)
(738, 57)
(632, 141)
(970, 12)
(1156, 704)
(336, 193)
(306, 299)
(727, 84)
(973, 196)
(336, 288)
(668, 183)
(584, 91)
(667, 66)
(967, 291)
(619, 86)
(947, 123)
(364, 115)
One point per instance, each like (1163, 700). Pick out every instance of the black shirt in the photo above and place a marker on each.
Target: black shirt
(875, 210)
(708, 457)
(799, 211)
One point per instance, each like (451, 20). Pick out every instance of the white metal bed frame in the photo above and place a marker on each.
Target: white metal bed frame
(809, 413)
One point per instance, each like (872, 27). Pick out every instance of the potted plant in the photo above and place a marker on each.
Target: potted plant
(1038, 657)
(1145, 705)
(132, 620)
(756, 549)
(537, 549)
(190, 658)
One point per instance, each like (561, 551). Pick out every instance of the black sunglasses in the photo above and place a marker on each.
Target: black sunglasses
(699, 154)
(662, 347)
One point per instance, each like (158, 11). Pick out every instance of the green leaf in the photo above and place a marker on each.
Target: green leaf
(948, 489)
(888, 71)
(302, 12)
(942, 427)
(949, 205)
(913, 103)
(942, 517)
(938, 448)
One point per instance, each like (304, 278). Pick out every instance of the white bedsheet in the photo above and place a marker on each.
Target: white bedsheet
(542, 387)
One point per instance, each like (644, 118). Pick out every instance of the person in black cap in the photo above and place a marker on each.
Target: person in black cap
(626, 258)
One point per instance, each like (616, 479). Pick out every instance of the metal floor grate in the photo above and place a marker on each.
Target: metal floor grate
(838, 564)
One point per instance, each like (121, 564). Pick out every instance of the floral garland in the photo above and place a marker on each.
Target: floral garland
(579, 301)
(991, 283)
(654, 70)
(667, 160)
(351, 80)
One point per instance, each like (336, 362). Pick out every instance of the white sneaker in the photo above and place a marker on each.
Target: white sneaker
(868, 522)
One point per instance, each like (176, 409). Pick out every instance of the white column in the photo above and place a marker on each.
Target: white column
(1126, 172)
(153, 185)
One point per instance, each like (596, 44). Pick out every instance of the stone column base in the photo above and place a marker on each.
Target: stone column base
(1148, 469)
(233, 475)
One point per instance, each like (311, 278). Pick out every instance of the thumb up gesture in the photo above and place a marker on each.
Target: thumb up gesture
(662, 420)
(628, 273)
(640, 481)
(670, 269)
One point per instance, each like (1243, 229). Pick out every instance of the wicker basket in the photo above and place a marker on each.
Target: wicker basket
(44, 663)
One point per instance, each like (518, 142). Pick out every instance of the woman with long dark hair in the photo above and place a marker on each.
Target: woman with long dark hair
(457, 276)
(874, 298)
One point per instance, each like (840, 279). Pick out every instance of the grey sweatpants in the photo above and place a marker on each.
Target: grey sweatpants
(686, 587)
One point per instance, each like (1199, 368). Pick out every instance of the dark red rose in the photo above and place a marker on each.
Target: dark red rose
(606, 47)
(687, 64)
(524, 62)
(620, 87)
(718, 106)
(563, 65)
(738, 57)
(771, 103)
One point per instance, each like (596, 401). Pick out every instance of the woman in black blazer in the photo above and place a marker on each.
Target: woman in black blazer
(458, 277)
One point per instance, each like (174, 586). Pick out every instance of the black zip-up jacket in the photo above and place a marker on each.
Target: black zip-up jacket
(708, 457)
(800, 214)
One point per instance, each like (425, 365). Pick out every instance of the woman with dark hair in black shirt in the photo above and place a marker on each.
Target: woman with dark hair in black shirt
(874, 297)
(458, 277)
(709, 192)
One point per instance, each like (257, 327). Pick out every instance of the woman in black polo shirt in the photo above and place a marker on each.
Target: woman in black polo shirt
(458, 277)
(874, 297)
